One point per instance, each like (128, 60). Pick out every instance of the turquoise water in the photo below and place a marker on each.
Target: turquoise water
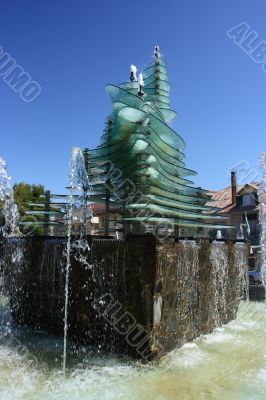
(229, 364)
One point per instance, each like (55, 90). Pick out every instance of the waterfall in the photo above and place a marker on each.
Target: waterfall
(12, 249)
(106, 257)
(12, 267)
(187, 274)
(8, 208)
(262, 215)
(218, 281)
(51, 267)
(241, 267)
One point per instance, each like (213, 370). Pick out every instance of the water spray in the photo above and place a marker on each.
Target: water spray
(141, 85)
(133, 73)
(8, 208)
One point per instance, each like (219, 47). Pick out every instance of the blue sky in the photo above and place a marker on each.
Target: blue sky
(73, 48)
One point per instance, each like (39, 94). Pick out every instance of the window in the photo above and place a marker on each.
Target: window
(252, 222)
(248, 200)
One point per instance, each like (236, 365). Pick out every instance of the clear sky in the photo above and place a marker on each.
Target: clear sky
(72, 48)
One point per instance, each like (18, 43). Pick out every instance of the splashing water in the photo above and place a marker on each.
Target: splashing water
(9, 208)
(9, 228)
(219, 279)
(240, 262)
(227, 364)
(78, 181)
(262, 214)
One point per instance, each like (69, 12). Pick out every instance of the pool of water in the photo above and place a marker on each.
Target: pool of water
(228, 364)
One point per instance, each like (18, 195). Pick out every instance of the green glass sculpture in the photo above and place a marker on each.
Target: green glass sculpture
(139, 165)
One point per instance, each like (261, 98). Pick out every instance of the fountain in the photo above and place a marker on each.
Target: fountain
(174, 292)
(219, 279)
(258, 292)
(9, 218)
(96, 303)
(9, 208)
(139, 165)
(78, 181)
(262, 215)
(151, 291)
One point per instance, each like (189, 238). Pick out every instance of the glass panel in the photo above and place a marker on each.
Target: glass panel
(154, 69)
(153, 91)
(179, 222)
(182, 205)
(158, 78)
(172, 212)
(143, 150)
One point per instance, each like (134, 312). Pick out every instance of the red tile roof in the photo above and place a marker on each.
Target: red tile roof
(99, 209)
(223, 198)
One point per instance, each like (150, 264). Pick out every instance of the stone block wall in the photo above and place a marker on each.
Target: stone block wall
(134, 296)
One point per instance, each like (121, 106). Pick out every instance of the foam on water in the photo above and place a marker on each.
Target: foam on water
(187, 356)
(228, 364)
(218, 336)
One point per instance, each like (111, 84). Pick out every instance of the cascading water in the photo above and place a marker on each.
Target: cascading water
(262, 215)
(229, 280)
(187, 274)
(78, 182)
(9, 226)
(51, 267)
(13, 265)
(9, 208)
(219, 280)
(241, 275)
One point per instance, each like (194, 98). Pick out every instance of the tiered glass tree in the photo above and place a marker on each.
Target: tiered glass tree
(139, 165)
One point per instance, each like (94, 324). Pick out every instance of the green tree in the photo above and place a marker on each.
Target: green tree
(24, 195)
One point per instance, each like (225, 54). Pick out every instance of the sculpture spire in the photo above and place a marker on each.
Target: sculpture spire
(148, 154)
(157, 52)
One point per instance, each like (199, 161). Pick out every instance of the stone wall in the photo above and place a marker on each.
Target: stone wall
(134, 296)
(198, 287)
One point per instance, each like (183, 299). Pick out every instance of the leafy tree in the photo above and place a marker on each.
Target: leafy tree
(24, 195)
